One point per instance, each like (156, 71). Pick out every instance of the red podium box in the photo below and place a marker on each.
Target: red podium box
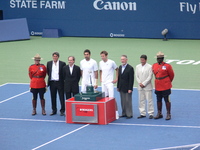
(92, 112)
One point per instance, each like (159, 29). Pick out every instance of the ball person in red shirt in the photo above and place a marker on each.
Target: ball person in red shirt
(37, 74)
(164, 76)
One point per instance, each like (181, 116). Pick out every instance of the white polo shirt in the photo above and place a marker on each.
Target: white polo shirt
(88, 68)
(107, 69)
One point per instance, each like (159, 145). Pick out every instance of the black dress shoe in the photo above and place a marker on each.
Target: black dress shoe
(151, 117)
(129, 117)
(52, 114)
(122, 116)
(141, 116)
(62, 114)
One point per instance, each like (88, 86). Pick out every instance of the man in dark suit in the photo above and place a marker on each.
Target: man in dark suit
(56, 82)
(125, 87)
(71, 74)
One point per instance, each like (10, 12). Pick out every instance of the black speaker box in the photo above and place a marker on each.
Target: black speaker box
(1, 14)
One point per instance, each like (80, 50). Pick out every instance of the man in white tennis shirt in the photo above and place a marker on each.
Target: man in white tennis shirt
(107, 68)
(89, 71)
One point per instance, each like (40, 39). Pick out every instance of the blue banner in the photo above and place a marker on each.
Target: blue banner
(109, 18)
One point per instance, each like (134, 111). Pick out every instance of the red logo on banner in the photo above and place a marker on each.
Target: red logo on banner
(84, 110)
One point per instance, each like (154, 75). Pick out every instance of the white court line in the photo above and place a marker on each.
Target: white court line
(115, 87)
(61, 137)
(186, 89)
(175, 147)
(38, 120)
(14, 97)
(122, 124)
(148, 125)
(17, 83)
(195, 147)
(153, 125)
(3, 84)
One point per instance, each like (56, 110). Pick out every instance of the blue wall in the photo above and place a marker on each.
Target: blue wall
(109, 18)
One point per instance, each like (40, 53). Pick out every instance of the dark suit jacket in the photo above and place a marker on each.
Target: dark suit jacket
(125, 79)
(49, 69)
(71, 80)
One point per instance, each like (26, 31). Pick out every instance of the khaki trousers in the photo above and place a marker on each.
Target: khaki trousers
(145, 96)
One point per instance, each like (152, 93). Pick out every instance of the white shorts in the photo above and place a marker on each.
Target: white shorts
(108, 88)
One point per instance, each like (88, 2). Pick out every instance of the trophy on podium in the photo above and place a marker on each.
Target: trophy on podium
(90, 88)
(90, 95)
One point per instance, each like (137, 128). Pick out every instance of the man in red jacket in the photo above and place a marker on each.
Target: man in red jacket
(164, 76)
(37, 74)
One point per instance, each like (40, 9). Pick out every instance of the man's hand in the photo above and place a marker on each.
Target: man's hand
(129, 91)
(114, 81)
(95, 83)
(141, 85)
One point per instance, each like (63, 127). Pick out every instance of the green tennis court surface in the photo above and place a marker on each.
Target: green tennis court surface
(183, 55)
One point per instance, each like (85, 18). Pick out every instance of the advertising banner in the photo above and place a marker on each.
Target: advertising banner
(109, 18)
(84, 110)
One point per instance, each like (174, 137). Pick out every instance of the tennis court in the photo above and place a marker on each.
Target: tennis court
(20, 130)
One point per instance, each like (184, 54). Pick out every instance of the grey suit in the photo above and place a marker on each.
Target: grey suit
(125, 83)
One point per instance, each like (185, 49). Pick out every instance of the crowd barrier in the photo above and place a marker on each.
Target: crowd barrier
(14, 29)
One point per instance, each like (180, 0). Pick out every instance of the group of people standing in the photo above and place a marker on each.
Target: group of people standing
(164, 76)
(64, 80)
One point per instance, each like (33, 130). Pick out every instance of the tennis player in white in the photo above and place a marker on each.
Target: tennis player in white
(89, 71)
(107, 68)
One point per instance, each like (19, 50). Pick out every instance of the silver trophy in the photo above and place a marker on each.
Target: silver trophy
(90, 78)
(90, 88)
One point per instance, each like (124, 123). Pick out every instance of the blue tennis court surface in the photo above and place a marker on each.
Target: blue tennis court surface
(20, 130)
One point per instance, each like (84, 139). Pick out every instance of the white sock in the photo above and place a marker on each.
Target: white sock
(117, 115)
